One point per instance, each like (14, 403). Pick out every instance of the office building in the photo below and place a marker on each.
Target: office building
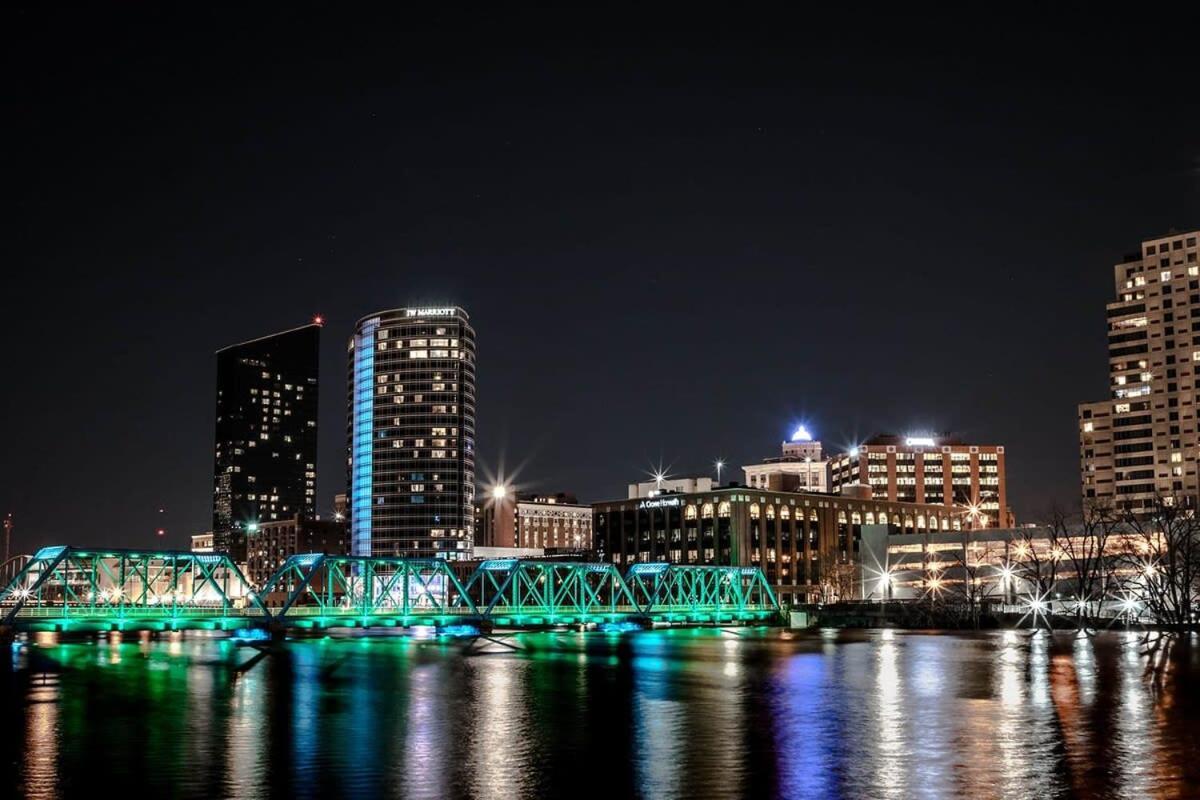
(806, 544)
(272, 543)
(530, 520)
(412, 433)
(265, 458)
(1141, 442)
(937, 470)
(801, 467)
(202, 542)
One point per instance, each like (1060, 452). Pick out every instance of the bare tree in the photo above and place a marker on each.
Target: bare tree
(1080, 546)
(1159, 562)
(1036, 564)
(838, 578)
(973, 568)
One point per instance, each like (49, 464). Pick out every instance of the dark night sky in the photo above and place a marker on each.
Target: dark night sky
(675, 237)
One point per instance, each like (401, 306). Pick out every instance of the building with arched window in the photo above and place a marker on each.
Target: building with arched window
(807, 544)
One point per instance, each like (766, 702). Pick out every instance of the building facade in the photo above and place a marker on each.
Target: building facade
(1141, 442)
(202, 542)
(265, 457)
(930, 470)
(272, 543)
(801, 467)
(412, 433)
(998, 564)
(806, 544)
(661, 485)
(528, 520)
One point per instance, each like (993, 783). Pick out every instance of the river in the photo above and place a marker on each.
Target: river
(681, 713)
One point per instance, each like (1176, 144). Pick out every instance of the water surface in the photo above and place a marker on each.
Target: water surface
(761, 713)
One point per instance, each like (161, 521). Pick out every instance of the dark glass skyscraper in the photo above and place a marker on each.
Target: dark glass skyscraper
(265, 465)
(412, 433)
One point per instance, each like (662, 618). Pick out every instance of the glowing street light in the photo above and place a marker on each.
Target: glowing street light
(499, 492)
(719, 464)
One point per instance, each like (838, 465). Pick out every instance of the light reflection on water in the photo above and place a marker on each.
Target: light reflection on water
(711, 713)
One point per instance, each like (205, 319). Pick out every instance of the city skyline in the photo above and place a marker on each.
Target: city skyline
(896, 251)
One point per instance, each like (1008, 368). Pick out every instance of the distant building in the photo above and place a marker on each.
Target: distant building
(412, 433)
(341, 506)
(668, 485)
(806, 544)
(930, 470)
(999, 564)
(202, 542)
(273, 542)
(802, 467)
(1140, 443)
(265, 457)
(531, 520)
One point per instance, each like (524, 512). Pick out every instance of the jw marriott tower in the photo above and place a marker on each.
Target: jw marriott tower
(412, 433)
(265, 458)
(1143, 441)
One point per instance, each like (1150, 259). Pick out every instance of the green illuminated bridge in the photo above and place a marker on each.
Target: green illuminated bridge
(77, 589)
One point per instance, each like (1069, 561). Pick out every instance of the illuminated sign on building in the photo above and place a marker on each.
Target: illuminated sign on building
(429, 312)
(666, 502)
(920, 441)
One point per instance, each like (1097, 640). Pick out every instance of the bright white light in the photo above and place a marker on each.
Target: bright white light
(1037, 605)
(920, 441)
(801, 434)
(854, 452)
(499, 492)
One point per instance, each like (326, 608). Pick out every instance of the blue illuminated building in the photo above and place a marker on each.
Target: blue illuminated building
(411, 433)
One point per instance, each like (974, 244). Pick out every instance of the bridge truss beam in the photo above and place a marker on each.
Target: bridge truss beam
(683, 592)
(317, 590)
(520, 592)
(68, 587)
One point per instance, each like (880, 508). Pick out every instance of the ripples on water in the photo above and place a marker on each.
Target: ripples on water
(877, 714)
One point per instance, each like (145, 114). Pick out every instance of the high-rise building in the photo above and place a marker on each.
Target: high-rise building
(932, 470)
(1141, 442)
(412, 433)
(265, 459)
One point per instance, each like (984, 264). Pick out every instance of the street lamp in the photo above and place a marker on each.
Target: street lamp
(499, 492)
(720, 465)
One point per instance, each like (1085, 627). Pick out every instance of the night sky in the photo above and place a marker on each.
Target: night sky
(676, 237)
